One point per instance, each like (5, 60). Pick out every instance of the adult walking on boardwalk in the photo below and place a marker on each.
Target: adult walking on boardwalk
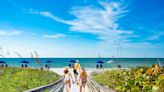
(76, 69)
(67, 79)
(83, 80)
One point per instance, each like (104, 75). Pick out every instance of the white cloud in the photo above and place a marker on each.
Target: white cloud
(9, 32)
(54, 36)
(141, 45)
(156, 36)
(98, 21)
(33, 33)
(46, 14)
(153, 37)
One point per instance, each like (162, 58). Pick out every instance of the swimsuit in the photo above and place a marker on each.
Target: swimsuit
(67, 78)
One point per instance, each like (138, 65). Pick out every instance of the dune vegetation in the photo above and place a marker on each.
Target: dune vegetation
(21, 79)
(140, 79)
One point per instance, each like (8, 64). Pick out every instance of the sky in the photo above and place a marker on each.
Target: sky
(82, 28)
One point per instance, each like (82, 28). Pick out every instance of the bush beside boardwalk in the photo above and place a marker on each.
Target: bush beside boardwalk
(141, 79)
(21, 79)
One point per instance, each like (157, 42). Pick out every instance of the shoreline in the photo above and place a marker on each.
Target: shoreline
(88, 70)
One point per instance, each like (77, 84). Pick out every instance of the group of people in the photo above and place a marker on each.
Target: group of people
(80, 77)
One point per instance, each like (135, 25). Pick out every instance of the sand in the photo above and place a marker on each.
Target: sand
(88, 70)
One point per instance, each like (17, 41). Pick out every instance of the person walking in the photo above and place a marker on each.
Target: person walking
(67, 79)
(83, 80)
(76, 70)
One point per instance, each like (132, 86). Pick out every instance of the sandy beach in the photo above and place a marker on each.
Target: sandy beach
(88, 70)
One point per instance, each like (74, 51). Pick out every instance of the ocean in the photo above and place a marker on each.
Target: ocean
(86, 62)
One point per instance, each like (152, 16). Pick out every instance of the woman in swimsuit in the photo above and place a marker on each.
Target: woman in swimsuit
(83, 80)
(67, 79)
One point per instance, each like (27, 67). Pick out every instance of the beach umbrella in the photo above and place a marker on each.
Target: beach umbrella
(24, 61)
(47, 65)
(72, 61)
(24, 64)
(100, 61)
(2, 62)
(48, 61)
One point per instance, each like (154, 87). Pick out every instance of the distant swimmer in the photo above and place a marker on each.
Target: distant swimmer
(76, 69)
(67, 79)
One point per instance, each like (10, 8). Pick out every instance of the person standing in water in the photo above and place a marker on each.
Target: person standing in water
(76, 69)
(83, 80)
(67, 79)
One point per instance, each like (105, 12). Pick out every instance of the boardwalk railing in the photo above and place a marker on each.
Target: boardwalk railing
(56, 86)
(95, 87)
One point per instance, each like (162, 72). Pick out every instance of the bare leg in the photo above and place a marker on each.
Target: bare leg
(67, 88)
(81, 88)
(69, 84)
(75, 77)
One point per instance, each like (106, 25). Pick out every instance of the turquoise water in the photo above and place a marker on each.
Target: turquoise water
(86, 62)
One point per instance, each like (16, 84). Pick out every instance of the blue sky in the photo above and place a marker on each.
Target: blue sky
(82, 28)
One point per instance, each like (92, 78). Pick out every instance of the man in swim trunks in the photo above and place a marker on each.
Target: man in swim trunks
(76, 69)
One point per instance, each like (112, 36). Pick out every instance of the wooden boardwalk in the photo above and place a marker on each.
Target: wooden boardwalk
(76, 88)
(91, 86)
(58, 86)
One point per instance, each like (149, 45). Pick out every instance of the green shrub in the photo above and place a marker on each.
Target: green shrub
(20, 79)
(140, 79)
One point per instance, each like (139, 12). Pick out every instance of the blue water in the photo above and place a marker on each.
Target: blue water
(86, 62)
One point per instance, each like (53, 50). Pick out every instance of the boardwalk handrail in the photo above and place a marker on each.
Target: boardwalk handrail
(95, 87)
(57, 85)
